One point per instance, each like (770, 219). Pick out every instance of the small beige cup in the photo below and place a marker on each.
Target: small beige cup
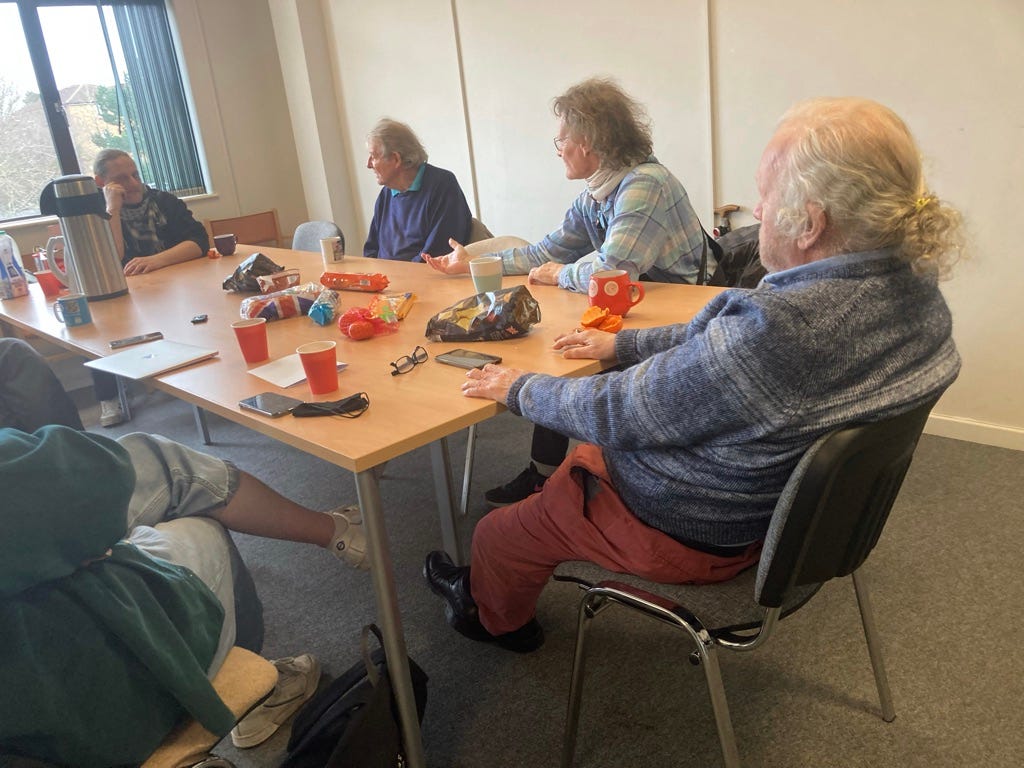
(486, 272)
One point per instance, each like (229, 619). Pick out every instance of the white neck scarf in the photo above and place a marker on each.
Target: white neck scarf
(604, 182)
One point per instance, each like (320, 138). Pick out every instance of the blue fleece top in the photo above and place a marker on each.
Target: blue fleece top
(703, 428)
(419, 219)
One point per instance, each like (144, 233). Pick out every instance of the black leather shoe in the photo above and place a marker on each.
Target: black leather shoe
(451, 582)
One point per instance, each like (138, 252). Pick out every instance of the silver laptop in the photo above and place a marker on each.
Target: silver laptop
(151, 359)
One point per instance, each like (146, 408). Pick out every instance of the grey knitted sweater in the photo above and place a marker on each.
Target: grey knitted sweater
(702, 429)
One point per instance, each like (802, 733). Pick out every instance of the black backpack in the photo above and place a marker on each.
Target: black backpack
(353, 723)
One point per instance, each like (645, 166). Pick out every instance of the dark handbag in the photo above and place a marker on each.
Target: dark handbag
(353, 723)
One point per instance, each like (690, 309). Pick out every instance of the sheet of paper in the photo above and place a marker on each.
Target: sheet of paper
(285, 371)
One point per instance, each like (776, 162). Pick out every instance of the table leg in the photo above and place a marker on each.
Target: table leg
(440, 459)
(383, 575)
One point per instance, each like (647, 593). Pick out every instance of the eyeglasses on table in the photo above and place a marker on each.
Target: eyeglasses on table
(406, 363)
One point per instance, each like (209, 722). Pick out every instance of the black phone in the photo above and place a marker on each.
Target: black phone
(131, 340)
(269, 404)
(467, 358)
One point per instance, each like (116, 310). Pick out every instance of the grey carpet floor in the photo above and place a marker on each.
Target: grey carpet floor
(946, 586)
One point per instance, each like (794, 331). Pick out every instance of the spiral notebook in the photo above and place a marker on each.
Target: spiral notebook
(151, 359)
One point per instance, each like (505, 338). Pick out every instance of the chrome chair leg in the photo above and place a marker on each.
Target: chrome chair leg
(122, 396)
(590, 605)
(719, 704)
(201, 426)
(467, 472)
(867, 618)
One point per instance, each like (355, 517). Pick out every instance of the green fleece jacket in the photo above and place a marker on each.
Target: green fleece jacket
(100, 654)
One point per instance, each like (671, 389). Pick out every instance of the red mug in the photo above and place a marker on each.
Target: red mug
(613, 290)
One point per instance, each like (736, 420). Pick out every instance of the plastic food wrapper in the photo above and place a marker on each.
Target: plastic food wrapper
(279, 281)
(243, 279)
(601, 319)
(382, 319)
(400, 303)
(290, 302)
(354, 281)
(325, 307)
(494, 316)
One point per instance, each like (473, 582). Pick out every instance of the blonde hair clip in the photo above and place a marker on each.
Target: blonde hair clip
(921, 203)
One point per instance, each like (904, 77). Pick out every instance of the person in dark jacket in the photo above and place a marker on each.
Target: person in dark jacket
(152, 229)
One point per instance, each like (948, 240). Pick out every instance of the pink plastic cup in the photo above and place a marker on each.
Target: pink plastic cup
(320, 362)
(252, 338)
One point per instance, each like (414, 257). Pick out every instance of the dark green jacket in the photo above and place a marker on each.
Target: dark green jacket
(98, 660)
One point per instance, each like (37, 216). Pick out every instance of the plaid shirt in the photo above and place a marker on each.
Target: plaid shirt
(646, 226)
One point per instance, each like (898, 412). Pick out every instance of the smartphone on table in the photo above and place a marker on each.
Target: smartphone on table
(269, 404)
(467, 358)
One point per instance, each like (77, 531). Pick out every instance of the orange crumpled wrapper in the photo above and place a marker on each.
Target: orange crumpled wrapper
(601, 319)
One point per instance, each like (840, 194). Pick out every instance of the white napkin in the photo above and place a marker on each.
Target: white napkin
(286, 371)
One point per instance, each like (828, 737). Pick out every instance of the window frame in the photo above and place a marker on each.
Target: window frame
(49, 94)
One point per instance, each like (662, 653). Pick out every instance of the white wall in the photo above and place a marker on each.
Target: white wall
(231, 61)
(476, 80)
(953, 71)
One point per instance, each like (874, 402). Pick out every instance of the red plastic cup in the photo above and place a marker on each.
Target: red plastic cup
(252, 338)
(320, 362)
(49, 283)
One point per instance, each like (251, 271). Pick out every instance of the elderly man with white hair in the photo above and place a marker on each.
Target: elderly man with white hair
(420, 206)
(689, 445)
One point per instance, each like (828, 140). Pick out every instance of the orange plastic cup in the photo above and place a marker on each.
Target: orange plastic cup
(252, 338)
(49, 283)
(320, 362)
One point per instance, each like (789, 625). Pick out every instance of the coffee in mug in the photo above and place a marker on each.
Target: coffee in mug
(613, 290)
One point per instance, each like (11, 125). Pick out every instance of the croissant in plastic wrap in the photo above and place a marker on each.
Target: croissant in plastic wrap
(290, 302)
(495, 316)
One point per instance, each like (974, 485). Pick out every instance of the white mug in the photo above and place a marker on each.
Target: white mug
(331, 251)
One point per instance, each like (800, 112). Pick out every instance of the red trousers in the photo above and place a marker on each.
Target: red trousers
(517, 548)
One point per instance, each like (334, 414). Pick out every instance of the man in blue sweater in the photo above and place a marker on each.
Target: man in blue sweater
(420, 206)
(690, 444)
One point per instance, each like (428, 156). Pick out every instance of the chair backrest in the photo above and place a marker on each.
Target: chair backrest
(308, 235)
(739, 259)
(477, 231)
(833, 509)
(252, 229)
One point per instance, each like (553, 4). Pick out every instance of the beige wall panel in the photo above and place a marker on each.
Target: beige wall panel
(952, 70)
(518, 56)
(239, 96)
(397, 58)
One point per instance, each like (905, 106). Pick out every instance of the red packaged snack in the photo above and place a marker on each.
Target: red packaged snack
(354, 281)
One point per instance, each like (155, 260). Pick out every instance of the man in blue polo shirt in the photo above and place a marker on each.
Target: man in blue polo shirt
(420, 206)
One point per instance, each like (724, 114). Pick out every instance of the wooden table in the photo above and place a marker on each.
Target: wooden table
(422, 407)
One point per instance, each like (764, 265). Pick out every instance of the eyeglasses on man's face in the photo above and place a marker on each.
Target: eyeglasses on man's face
(406, 363)
(560, 142)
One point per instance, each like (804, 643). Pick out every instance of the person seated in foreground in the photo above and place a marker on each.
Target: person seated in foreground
(152, 229)
(633, 214)
(690, 444)
(121, 593)
(420, 206)
(31, 396)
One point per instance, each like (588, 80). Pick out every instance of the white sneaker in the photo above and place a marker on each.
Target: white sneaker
(349, 542)
(111, 413)
(297, 679)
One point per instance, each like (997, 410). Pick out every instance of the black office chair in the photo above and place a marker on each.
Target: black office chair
(826, 522)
